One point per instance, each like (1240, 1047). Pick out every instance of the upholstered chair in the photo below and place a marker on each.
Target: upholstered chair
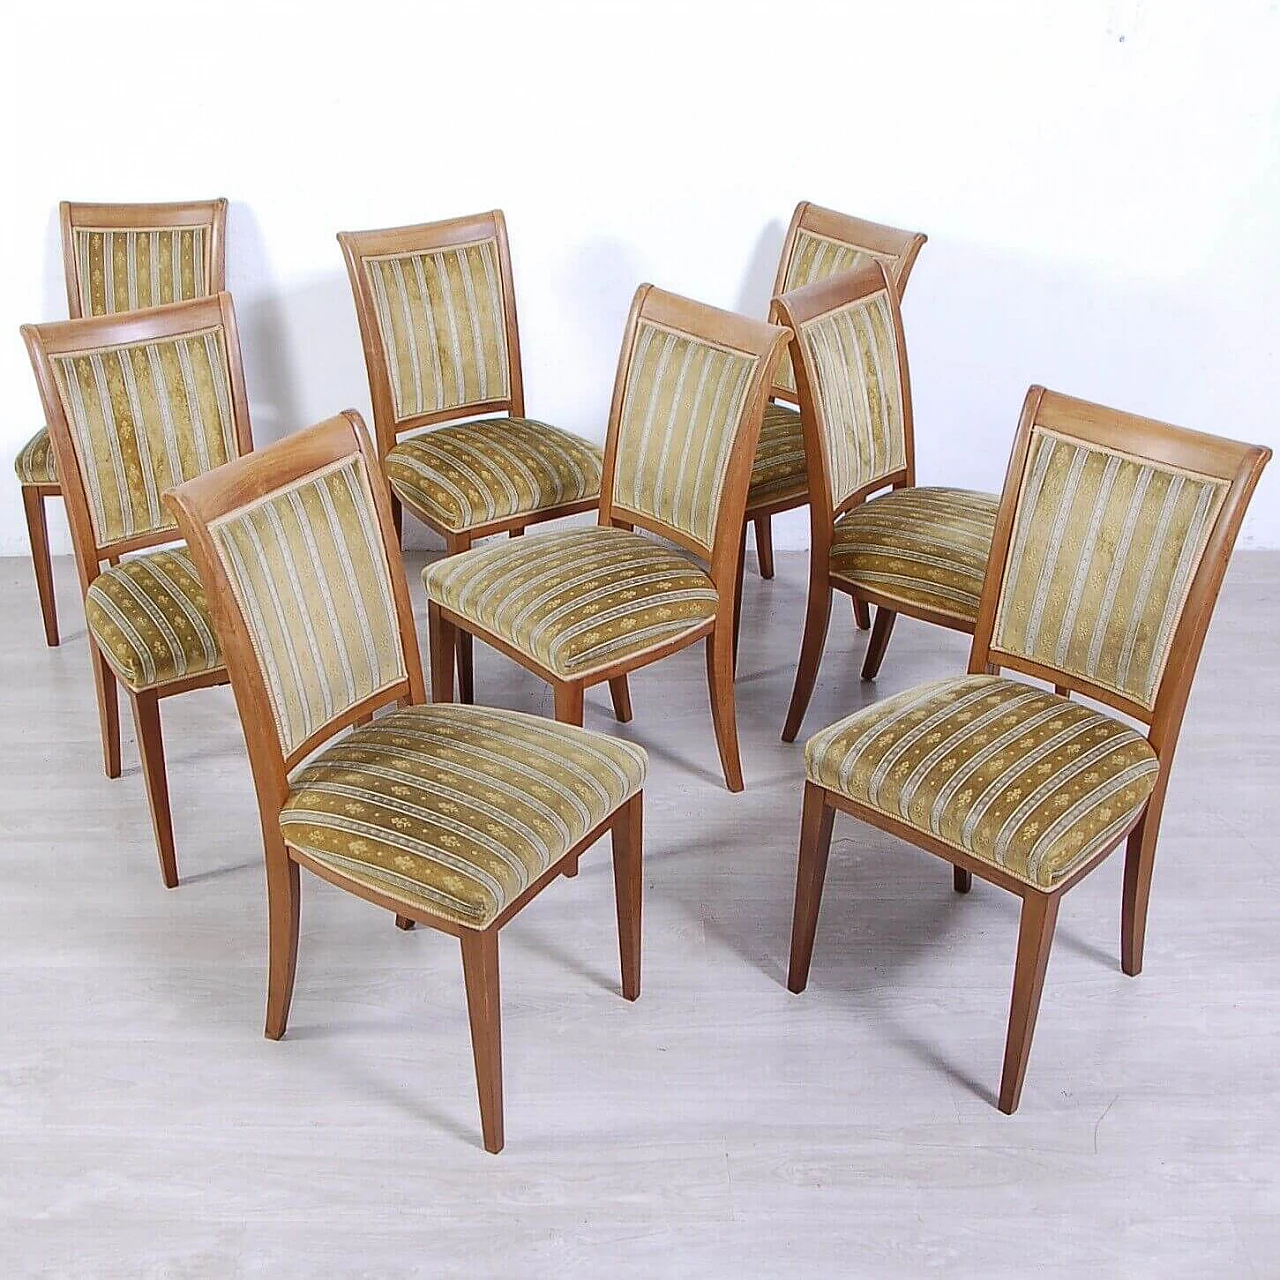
(875, 534)
(437, 312)
(583, 606)
(118, 257)
(1112, 540)
(820, 243)
(137, 402)
(452, 817)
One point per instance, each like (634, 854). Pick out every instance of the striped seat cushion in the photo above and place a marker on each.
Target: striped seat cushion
(456, 810)
(468, 476)
(921, 548)
(1012, 774)
(34, 463)
(149, 617)
(778, 473)
(576, 601)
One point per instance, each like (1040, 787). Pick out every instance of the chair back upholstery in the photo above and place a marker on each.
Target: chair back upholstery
(438, 321)
(1113, 537)
(687, 408)
(822, 243)
(136, 403)
(122, 257)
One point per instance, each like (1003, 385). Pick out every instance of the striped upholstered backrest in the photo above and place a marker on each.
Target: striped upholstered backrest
(851, 357)
(122, 270)
(1104, 548)
(308, 569)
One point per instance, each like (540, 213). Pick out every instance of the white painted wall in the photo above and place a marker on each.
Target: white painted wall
(1099, 179)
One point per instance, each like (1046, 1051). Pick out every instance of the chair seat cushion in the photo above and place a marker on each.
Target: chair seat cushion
(34, 463)
(150, 618)
(578, 600)
(456, 810)
(922, 548)
(778, 473)
(468, 476)
(1019, 777)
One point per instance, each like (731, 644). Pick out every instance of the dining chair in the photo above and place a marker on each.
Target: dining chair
(820, 243)
(452, 817)
(118, 257)
(586, 605)
(918, 550)
(1112, 540)
(137, 402)
(437, 313)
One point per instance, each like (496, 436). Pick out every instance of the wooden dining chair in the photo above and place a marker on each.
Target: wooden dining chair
(913, 549)
(453, 817)
(583, 606)
(437, 312)
(1112, 540)
(118, 257)
(137, 402)
(820, 243)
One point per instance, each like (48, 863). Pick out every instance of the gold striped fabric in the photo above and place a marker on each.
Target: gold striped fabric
(34, 463)
(456, 810)
(922, 548)
(463, 477)
(151, 620)
(852, 358)
(1012, 774)
(1103, 553)
(579, 600)
(778, 472)
(682, 410)
(443, 327)
(815, 258)
(144, 417)
(309, 571)
(123, 270)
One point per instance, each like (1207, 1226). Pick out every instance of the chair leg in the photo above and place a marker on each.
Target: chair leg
(723, 711)
(104, 683)
(38, 533)
(764, 545)
(861, 614)
(146, 716)
(817, 618)
(455, 546)
(1139, 863)
(628, 888)
(815, 844)
(879, 642)
(480, 970)
(403, 922)
(443, 645)
(517, 533)
(568, 699)
(1035, 938)
(620, 692)
(962, 879)
(284, 901)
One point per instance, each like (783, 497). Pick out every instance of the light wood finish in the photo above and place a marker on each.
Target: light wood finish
(209, 214)
(1240, 465)
(203, 500)
(44, 342)
(766, 343)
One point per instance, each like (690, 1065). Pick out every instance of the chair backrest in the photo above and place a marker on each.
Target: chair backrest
(687, 406)
(137, 402)
(299, 559)
(850, 358)
(1110, 547)
(821, 243)
(122, 257)
(437, 316)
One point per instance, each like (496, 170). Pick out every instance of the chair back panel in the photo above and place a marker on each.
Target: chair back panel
(119, 270)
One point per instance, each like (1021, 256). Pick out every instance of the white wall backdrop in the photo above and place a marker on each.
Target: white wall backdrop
(1099, 179)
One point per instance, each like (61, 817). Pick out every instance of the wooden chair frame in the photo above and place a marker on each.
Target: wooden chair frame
(206, 213)
(195, 505)
(1163, 445)
(69, 336)
(765, 342)
(903, 247)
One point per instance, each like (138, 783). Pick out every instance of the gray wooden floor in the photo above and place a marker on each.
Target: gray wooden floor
(718, 1127)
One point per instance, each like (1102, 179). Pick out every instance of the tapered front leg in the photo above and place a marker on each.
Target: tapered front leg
(816, 822)
(817, 619)
(723, 710)
(879, 642)
(628, 887)
(104, 684)
(443, 645)
(146, 716)
(284, 900)
(1139, 863)
(764, 545)
(480, 969)
(38, 533)
(620, 692)
(1035, 940)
